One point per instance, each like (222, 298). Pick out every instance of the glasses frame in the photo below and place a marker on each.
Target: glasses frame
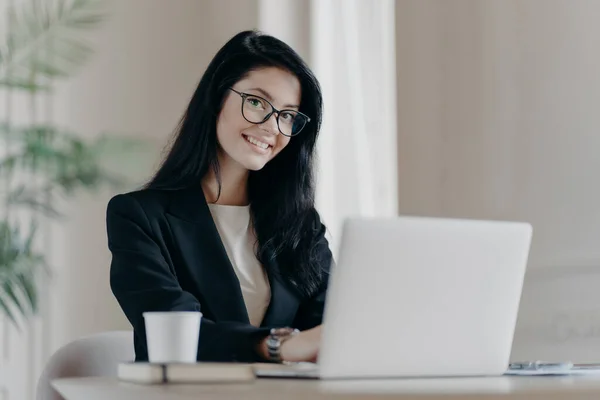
(273, 111)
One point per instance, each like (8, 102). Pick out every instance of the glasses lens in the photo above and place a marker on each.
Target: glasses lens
(255, 109)
(291, 122)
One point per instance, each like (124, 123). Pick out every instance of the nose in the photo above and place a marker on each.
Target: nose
(270, 125)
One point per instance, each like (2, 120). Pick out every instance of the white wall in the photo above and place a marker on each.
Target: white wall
(498, 118)
(295, 31)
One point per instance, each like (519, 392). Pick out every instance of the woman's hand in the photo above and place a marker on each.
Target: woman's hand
(303, 346)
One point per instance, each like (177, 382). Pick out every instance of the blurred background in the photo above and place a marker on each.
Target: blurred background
(451, 108)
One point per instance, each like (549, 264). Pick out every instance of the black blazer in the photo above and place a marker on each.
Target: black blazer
(167, 255)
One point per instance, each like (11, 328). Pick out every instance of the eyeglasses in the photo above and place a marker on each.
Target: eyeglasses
(257, 110)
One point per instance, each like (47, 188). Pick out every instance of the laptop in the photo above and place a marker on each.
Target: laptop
(420, 297)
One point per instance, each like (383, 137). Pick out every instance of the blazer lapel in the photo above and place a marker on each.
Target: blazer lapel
(284, 304)
(204, 253)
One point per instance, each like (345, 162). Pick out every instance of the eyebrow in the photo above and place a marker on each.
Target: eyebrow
(270, 98)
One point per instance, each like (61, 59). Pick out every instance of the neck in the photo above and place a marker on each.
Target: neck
(234, 184)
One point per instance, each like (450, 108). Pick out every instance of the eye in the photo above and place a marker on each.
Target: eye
(287, 116)
(255, 102)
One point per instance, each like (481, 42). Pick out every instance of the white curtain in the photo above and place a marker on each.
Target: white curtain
(353, 55)
(350, 46)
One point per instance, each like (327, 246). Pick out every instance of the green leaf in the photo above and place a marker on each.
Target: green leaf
(7, 165)
(65, 160)
(44, 39)
(19, 266)
(61, 163)
(25, 85)
(48, 69)
(8, 288)
(33, 199)
(85, 21)
(28, 244)
(26, 283)
(7, 310)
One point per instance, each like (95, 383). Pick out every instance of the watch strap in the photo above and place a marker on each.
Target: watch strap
(276, 338)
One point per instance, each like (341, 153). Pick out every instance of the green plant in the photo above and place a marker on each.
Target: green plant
(40, 162)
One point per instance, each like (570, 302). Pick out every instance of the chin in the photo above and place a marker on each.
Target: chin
(254, 166)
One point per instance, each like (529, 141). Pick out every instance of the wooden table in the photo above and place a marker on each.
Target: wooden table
(551, 388)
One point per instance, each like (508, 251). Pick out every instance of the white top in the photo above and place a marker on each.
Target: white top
(239, 239)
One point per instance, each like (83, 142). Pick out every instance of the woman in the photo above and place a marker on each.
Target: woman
(228, 226)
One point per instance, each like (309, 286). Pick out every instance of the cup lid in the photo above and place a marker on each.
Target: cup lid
(172, 313)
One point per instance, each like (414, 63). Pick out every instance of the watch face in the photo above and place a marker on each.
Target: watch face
(282, 331)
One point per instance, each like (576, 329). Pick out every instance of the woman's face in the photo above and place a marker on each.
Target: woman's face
(249, 145)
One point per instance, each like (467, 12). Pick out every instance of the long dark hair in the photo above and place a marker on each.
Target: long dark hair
(282, 193)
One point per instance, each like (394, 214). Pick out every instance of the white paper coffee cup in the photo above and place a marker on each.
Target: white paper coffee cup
(172, 336)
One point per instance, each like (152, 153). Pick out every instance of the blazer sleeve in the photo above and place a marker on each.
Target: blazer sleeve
(141, 280)
(310, 312)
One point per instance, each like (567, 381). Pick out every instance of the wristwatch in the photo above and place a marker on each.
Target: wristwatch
(276, 338)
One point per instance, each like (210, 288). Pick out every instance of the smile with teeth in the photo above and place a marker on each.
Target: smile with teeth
(257, 143)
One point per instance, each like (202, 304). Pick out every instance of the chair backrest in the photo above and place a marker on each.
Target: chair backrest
(95, 355)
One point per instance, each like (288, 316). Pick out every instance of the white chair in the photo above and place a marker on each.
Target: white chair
(95, 355)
